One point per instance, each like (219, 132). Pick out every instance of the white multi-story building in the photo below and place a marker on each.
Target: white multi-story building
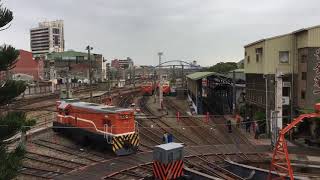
(47, 37)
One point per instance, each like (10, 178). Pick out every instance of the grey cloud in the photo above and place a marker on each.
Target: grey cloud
(206, 30)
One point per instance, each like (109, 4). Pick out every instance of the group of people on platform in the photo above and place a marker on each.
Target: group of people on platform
(167, 138)
(248, 123)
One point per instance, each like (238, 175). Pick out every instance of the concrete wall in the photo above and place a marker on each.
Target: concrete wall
(302, 39)
(269, 61)
(312, 92)
(272, 48)
(250, 53)
(314, 37)
(26, 64)
(307, 63)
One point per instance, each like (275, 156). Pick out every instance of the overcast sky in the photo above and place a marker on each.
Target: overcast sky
(208, 31)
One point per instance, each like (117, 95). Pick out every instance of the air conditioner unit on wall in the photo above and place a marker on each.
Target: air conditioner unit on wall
(285, 100)
(286, 84)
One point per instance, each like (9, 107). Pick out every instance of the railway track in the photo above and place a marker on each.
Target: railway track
(211, 164)
(65, 157)
(49, 154)
(69, 151)
(235, 137)
(53, 156)
(28, 101)
(205, 136)
(161, 126)
(36, 173)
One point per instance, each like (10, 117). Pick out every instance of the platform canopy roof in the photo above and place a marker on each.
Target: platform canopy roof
(199, 75)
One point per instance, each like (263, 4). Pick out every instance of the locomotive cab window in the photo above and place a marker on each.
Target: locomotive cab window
(66, 112)
(107, 122)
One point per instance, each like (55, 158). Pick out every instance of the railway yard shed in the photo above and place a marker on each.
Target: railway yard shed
(213, 92)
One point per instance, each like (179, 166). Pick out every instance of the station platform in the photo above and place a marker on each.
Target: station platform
(297, 153)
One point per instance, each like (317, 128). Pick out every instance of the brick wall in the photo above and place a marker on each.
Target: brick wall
(26, 64)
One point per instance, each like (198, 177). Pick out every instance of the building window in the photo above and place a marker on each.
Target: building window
(245, 53)
(55, 31)
(286, 91)
(248, 59)
(257, 58)
(303, 58)
(303, 94)
(304, 76)
(284, 56)
(56, 40)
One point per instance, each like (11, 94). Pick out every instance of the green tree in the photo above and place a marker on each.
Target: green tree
(223, 67)
(10, 122)
(5, 17)
(11, 161)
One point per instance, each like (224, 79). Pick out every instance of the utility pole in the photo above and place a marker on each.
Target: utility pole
(90, 70)
(134, 76)
(276, 118)
(182, 72)
(278, 99)
(155, 84)
(268, 124)
(108, 73)
(160, 81)
(67, 77)
(234, 92)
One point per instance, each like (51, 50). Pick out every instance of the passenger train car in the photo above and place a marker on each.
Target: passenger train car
(166, 88)
(147, 88)
(107, 126)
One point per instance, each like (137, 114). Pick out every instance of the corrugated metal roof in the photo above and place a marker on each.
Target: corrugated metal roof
(169, 146)
(200, 75)
(297, 31)
(67, 54)
(237, 71)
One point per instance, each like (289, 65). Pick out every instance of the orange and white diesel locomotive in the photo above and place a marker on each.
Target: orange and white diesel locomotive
(108, 126)
(147, 88)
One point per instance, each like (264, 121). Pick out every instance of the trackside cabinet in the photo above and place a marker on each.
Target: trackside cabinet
(168, 161)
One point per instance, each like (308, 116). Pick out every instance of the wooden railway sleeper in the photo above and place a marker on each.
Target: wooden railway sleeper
(218, 167)
(211, 171)
(50, 163)
(58, 159)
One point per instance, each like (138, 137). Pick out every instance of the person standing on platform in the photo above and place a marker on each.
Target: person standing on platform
(253, 124)
(170, 138)
(165, 138)
(248, 124)
(257, 130)
(229, 126)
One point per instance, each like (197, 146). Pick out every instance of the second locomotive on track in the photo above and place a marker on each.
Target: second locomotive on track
(106, 126)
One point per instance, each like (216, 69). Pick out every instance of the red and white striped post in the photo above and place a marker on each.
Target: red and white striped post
(178, 116)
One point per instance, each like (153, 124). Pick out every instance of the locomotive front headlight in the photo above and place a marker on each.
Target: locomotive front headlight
(124, 116)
